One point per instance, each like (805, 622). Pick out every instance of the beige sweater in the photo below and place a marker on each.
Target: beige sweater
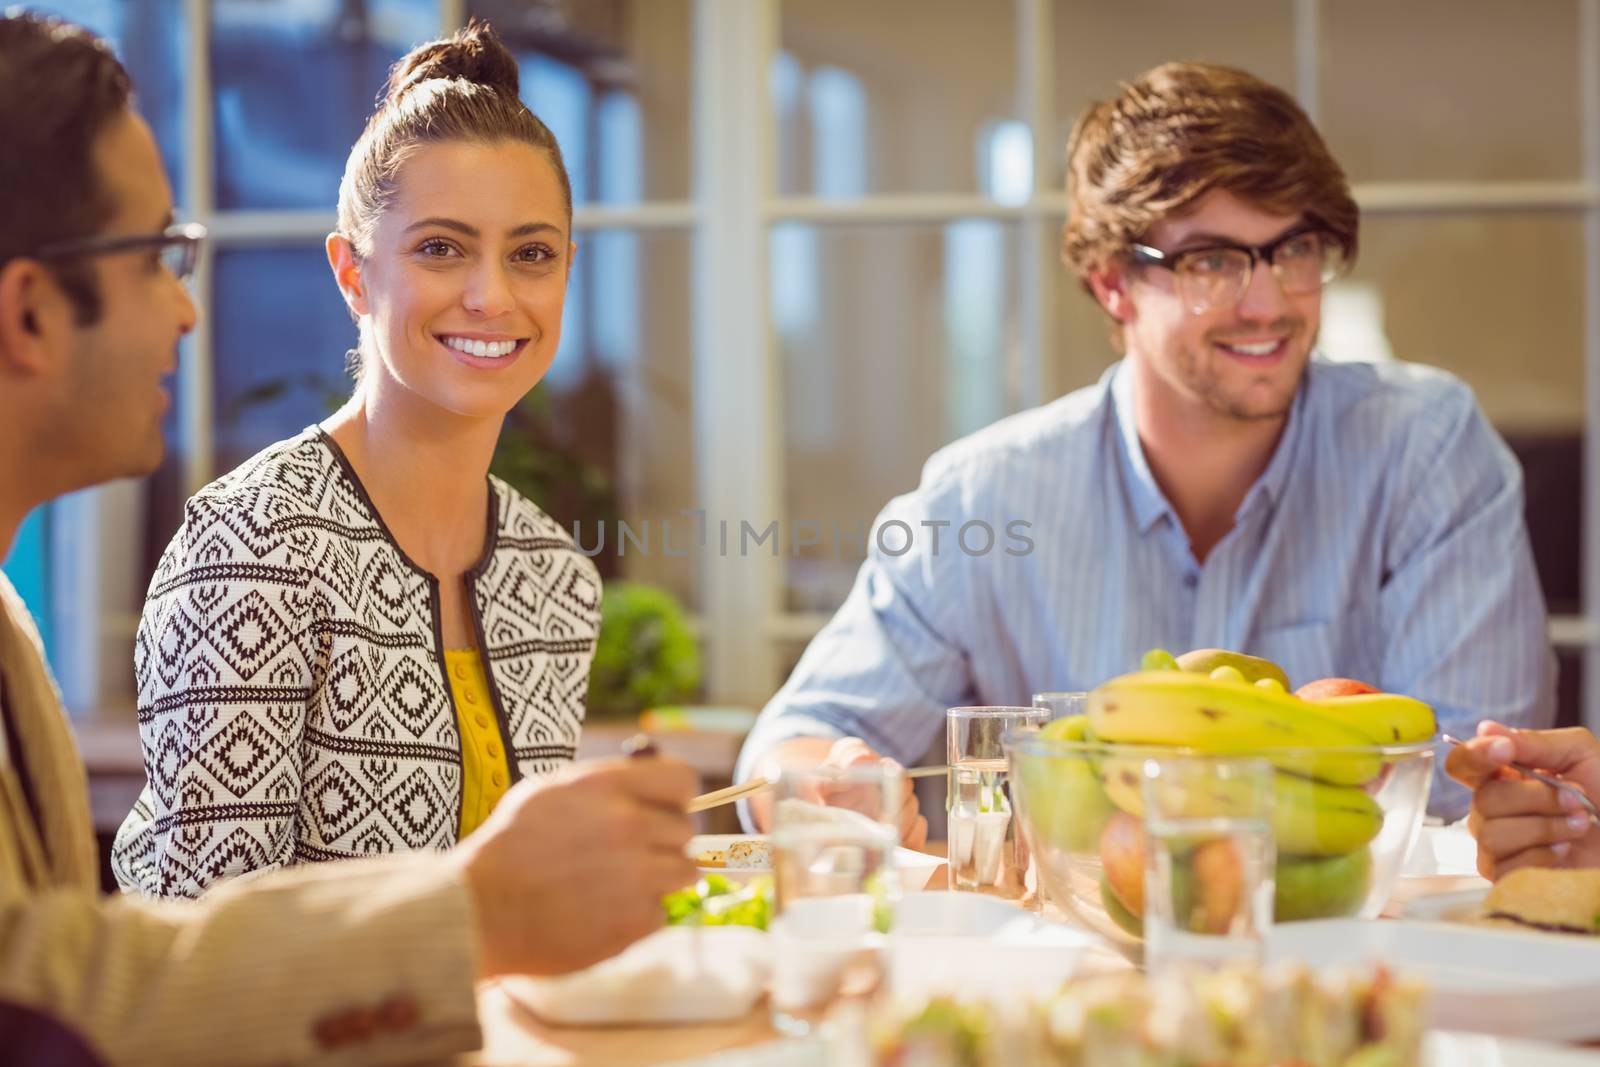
(365, 962)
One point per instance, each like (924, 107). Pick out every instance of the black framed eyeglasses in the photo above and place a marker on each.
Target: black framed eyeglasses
(178, 246)
(1216, 276)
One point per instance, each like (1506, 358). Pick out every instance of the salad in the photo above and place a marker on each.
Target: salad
(716, 901)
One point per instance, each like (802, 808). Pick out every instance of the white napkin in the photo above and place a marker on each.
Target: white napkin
(680, 974)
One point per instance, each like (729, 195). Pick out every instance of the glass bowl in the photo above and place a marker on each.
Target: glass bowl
(1340, 844)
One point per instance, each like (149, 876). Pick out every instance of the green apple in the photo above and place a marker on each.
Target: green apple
(1323, 887)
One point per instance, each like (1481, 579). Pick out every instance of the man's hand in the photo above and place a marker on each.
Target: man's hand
(571, 870)
(845, 752)
(1519, 822)
(854, 752)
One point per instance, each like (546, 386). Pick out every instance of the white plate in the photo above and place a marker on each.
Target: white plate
(1482, 979)
(1447, 1049)
(1460, 906)
(915, 868)
(961, 942)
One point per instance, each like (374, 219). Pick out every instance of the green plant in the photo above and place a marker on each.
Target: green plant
(646, 655)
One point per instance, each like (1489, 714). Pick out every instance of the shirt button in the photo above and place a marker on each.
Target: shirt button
(461, 671)
(493, 749)
(498, 778)
(1191, 580)
(471, 699)
(482, 720)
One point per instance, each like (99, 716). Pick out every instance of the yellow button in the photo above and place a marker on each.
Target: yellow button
(498, 778)
(470, 698)
(493, 749)
(482, 720)
(461, 671)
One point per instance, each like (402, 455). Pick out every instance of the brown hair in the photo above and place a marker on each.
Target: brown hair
(60, 87)
(1176, 133)
(462, 88)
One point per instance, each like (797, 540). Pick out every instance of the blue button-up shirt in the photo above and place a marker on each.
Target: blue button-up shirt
(1384, 541)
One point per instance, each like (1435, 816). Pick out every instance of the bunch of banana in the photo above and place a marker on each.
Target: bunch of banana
(1223, 714)
(1382, 718)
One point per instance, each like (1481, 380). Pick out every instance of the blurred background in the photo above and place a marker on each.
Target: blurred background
(818, 240)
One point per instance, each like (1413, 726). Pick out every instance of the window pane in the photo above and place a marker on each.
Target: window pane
(863, 106)
(895, 341)
(620, 402)
(293, 84)
(1435, 89)
(274, 374)
(1098, 46)
(1082, 350)
(612, 82)
(1495, 299)
(150, 39)
(28, 568)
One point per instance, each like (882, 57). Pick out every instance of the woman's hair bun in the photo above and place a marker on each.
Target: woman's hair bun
(473, 54)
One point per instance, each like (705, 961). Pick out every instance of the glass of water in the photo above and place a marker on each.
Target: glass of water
(987, 851)
(833, 842)
(1062, 705)
(1208, 859)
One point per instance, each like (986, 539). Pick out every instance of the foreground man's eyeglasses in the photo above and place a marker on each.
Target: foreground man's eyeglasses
(178, 246)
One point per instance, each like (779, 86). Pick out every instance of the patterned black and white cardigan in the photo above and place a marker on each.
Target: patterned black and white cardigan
(293, 699)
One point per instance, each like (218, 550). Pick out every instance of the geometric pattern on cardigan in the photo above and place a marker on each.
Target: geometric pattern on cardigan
(294, 704)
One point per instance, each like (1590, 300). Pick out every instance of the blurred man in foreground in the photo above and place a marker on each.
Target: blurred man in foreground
(367, 962)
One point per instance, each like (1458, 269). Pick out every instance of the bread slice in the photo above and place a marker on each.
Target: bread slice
(1564, 901)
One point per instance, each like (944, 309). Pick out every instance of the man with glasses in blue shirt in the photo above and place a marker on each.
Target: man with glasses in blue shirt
(1219, 487)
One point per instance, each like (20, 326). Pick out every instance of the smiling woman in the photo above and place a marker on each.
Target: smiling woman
(358, 639)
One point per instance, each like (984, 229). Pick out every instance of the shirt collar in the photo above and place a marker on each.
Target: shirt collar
(1272, 481)
(1149, 502)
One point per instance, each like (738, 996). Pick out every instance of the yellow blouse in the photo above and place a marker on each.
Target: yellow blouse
(484, 770)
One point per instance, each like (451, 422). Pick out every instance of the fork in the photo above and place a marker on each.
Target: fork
(1549, 780)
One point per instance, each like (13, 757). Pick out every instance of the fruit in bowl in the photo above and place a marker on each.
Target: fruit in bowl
(1351, 772)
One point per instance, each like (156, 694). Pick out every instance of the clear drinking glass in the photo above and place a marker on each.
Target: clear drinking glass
(987, 851)
(1060, 705)
(833, 842)
(1208, 859)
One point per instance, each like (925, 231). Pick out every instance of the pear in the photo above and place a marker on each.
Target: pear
(1254, 668)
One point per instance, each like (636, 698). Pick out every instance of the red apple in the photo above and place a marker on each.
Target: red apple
(1122, 857)
(1323, 688)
